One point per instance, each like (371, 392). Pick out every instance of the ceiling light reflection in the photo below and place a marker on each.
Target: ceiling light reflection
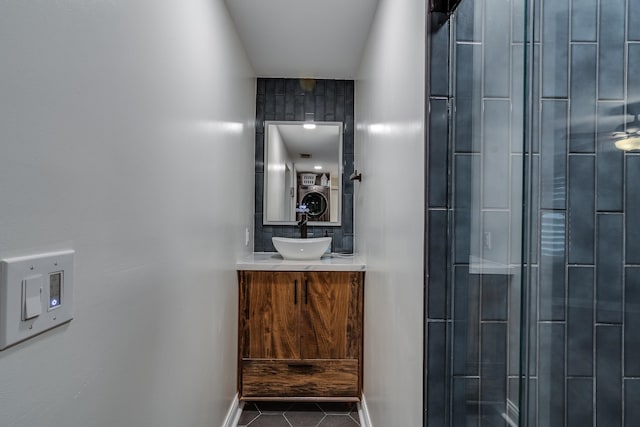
(629, 143)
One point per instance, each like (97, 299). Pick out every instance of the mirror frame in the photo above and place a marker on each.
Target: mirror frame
(340, 125)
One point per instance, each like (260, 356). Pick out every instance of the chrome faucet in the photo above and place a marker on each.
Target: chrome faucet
(303, 225)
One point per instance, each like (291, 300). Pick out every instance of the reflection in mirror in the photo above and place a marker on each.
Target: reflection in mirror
(303, 171)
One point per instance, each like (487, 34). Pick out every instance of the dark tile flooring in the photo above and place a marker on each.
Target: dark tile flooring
(283, 414)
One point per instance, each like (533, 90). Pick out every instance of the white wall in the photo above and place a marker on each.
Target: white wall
(126, 134)
(389, 210)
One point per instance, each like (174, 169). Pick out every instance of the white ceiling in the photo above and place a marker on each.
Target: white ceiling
(304, 38)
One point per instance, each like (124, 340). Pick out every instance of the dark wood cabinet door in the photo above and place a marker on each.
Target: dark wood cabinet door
(330, 319)
(270, 311)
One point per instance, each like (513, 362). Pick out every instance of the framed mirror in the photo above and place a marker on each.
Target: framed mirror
(303, 171)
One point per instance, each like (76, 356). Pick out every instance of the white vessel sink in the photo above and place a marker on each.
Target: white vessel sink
(301, 249)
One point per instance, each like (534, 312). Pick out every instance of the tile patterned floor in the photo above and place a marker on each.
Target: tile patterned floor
(282, 414)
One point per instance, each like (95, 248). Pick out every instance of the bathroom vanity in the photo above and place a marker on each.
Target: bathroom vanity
(300, 329)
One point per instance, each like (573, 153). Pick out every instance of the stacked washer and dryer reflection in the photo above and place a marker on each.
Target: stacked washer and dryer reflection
(315, 197)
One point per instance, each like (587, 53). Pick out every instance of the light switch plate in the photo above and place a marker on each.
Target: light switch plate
(52, 275)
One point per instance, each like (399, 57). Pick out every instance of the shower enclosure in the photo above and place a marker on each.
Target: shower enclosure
(533, 256)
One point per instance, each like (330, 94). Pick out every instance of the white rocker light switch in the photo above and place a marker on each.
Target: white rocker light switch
(32, 297)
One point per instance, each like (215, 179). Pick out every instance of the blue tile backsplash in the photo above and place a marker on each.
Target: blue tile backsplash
(290, 99)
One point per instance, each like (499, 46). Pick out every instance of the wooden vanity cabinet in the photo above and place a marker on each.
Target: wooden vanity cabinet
(300, 335)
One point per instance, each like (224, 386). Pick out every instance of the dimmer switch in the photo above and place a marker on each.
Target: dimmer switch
(55, 290)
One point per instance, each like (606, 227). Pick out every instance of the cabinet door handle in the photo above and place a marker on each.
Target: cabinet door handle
(306, 292)
(300, 365)
(295, 292)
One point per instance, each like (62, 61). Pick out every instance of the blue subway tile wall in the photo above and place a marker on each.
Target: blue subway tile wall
(555, 48)
(553, 154)
(517, 174)
(292, 100)
(464, 188)
(633, 20)
(609, 160)
(494, 297)
(497, 48)
(579, 402)
(466, 333)
(584, 288)
(632, 196)
(517, 22)
(581, 213)
(534, 63)
(438, 153)
(466, 402)
(609, 267)
(551, 286)
(495, 228)
(493, 384)
(584, 20)
(532, 416)
(611, 41)
(516, 97)
(439, 46)
(437, 381)
(583, 97)
(551, 374)
(437, 301)
(608, 375)
(632, 323)
(469, 21)
(580, 321)
(633, 79)
(631, 407)
(468, 95)
(496, 153)
(534, 318)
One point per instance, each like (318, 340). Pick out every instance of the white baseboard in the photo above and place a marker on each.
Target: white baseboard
(233, 415)
(363, 413)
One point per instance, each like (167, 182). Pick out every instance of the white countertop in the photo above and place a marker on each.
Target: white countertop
(272, 261)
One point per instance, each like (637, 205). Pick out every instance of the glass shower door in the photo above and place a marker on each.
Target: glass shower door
(483, 103)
